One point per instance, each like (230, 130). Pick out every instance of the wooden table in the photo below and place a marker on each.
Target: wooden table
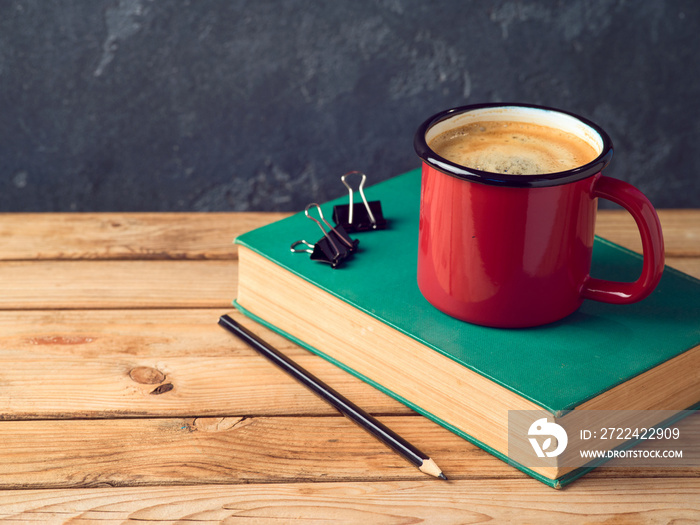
(121, 398)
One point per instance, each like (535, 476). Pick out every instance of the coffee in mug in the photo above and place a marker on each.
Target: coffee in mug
(517, 148)
(507, 220)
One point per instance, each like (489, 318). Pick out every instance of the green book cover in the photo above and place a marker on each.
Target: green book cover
(556, 366)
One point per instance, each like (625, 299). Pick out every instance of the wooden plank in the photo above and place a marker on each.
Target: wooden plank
(619, 501)
(31, 236)
(116, 284)
(150, 333)
(140, 284)
(681, 230)
(126, 452)
(154, 364)
(27, 236)
(37, 386)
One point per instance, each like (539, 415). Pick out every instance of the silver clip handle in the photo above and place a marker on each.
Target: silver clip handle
(330, 239)
(309, 247)
(325, 233)
(362, 194)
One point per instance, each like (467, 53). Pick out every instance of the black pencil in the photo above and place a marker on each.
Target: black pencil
(347, 408)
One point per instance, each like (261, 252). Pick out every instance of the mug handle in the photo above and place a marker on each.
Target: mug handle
(649, 226)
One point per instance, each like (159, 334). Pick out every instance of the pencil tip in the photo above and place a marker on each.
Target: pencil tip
(431, 468)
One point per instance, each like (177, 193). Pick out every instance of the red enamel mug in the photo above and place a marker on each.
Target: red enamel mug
(515, 250)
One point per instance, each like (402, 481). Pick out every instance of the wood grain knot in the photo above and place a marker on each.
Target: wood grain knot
(147, 375)
(162, 389)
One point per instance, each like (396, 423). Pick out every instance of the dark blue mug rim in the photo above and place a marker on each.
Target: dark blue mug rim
(499, 179)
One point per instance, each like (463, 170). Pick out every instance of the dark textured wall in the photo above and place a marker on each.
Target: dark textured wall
(262, 105)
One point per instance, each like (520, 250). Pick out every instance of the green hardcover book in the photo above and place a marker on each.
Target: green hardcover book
(369, 318)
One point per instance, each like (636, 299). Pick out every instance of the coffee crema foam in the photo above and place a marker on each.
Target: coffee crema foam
(513, 148)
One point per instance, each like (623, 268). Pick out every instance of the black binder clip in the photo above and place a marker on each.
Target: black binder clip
(355, 217)
(333, 248)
